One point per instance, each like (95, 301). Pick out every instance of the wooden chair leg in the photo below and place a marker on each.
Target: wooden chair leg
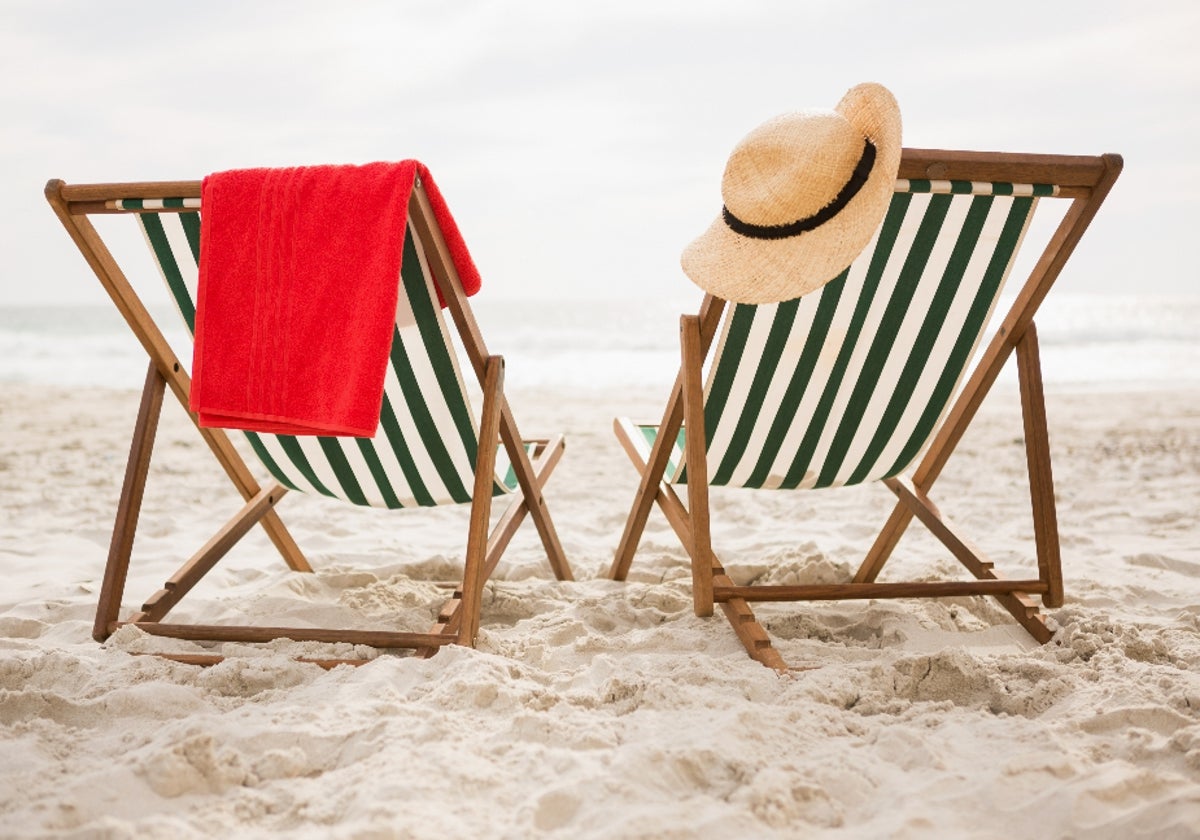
(711, 309)
(1037, 453)
(1041, 494)
(110, 275)
(961, 414)
(125, 528)
(544, 460)
(481, 505)
(697, 468)
(449, 284)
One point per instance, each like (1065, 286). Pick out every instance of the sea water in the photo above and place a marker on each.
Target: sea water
(1088, 342)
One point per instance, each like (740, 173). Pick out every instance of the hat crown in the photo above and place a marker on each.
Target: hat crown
(803, 196)
(790, 167)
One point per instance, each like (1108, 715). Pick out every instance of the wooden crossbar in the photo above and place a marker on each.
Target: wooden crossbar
(848, 591)
(248, 633)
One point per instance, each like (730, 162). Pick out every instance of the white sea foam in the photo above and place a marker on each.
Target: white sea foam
(1089, 342)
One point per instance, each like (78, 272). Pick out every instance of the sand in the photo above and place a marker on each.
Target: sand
(602, 709)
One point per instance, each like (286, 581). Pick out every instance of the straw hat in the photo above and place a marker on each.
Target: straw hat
(804, 193)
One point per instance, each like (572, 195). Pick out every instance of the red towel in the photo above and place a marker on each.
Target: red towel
(299, 276)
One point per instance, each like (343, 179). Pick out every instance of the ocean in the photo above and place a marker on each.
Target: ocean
(1089, 343)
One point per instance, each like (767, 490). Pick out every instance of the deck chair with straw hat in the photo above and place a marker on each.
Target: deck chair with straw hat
(825, 371)
(428, 448)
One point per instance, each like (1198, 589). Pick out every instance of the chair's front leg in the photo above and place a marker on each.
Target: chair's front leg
(696, 465)
(481, 499)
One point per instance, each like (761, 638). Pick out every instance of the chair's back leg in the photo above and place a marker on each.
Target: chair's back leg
(450, 285)
(1041, 479)
(110, 275)
(1015, 325)
(125, 528)
(1041, 482)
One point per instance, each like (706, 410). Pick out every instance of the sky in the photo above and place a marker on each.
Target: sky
(581, 145)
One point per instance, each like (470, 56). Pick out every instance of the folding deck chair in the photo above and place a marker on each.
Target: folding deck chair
(429, 449)
(851, 383)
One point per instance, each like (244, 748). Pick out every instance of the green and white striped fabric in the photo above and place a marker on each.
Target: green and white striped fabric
(848, 384)
(423, 453)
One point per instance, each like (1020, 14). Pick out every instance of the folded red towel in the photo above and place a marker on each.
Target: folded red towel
(299, 276)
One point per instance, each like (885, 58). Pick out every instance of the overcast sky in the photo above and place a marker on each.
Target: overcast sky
(581, 145)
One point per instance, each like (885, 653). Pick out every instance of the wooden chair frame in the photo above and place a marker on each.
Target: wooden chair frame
(458, 620)
(1084, 180)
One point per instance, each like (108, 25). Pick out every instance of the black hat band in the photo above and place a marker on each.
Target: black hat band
(859, 177)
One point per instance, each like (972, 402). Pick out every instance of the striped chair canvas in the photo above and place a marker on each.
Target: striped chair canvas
(864, 379)
(430, 449)
(424, 451)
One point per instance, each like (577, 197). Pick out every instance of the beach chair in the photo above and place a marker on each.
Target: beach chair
(429, 449)
(853, 382)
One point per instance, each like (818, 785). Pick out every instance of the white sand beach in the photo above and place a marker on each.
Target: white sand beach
(581, 147)
(600, 709)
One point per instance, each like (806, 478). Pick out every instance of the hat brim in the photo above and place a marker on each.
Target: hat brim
(746, 270)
